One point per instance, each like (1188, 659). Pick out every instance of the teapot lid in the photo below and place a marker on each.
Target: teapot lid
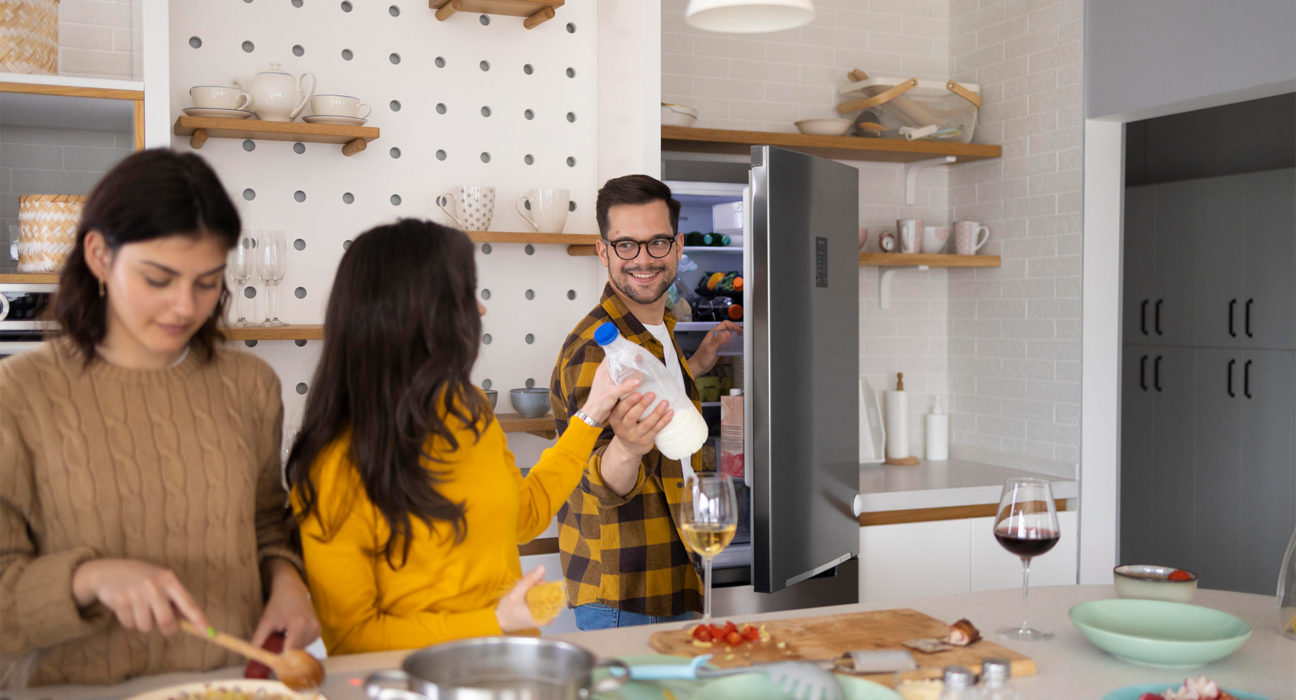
(274, 70)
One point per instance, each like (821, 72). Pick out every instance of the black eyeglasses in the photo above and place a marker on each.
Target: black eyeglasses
(627, 249)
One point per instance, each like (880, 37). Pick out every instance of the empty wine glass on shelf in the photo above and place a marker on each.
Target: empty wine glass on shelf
(708, 520)
(242, 259)
(272, 264)
(1026, 525)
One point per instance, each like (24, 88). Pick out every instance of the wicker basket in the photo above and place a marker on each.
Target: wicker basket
(47, 225)
(29, 36)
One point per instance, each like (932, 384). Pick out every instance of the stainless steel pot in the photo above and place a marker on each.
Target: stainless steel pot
(497, 668)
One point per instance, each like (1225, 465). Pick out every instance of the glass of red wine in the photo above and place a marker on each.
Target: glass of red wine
(1027, 525)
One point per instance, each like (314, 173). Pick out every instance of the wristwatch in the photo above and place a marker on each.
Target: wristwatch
(582, 416)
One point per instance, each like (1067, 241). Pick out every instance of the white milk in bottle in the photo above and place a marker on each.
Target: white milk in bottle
(687, 430)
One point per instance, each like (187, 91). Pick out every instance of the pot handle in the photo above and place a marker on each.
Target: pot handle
(618, 674)
(306, 92)
(379, 686)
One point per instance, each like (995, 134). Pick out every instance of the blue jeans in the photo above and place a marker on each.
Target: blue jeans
(600, 617)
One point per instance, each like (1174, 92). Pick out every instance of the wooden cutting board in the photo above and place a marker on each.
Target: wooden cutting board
(826, 638)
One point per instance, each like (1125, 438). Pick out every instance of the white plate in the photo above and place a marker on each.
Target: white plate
(246, 685)
(217, 112)
(333, 119)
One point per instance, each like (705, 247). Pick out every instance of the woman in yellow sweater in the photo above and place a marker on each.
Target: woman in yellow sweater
(408, 499)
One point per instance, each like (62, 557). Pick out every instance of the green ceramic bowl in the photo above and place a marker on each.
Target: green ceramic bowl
(1159, 633)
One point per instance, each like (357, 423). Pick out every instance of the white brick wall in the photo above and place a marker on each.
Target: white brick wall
(1004, 343)
(99, 38)
(1014, 333)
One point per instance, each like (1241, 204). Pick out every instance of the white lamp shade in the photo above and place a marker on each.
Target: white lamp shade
(748, 16)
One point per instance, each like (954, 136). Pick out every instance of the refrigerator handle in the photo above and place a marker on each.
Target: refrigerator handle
(1156, 373)
(1143, 372)
(1232, 309)
(1230, 379)
(1246, 379)
(1246, 323)
(1143, 316)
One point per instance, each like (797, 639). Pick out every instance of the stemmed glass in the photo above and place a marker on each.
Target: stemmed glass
(242, 259)
(272, 264)
(1027, 525)
(708, 520)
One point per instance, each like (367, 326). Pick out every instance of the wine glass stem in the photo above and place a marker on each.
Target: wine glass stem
(239, 300)
(272, 303)
(1026, 562)
(706, 590)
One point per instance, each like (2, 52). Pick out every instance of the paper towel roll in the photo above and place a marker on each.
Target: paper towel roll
(897, 424)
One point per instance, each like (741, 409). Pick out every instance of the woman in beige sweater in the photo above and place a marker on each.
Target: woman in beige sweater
(139, 460)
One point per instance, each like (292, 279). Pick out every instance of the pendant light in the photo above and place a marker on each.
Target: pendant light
(748, 16)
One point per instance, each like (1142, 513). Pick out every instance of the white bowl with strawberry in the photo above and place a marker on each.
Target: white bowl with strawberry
(1154, 582)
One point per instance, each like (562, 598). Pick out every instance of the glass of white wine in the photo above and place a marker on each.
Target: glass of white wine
(708, 521)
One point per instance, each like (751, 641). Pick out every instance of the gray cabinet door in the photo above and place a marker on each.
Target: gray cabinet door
(1269, 307)
(1221, 232)
(1174, 305)
(1137, 453)
(1267, 473)
(1139, 263)
(1214, 515)
(1174, 386)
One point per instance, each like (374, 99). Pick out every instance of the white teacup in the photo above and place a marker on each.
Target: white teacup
(474, 206)
(969, 236)
(545, 209)
(338, 106)
(218, 97)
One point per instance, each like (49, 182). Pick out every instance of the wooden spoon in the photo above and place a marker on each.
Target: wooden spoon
(295, 668)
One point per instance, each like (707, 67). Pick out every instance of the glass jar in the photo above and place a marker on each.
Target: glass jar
(1287, 591)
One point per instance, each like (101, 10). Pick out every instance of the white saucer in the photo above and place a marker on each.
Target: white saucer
(333, 119)
(217, 112)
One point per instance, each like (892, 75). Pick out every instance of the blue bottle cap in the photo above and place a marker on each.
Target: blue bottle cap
(606, 333)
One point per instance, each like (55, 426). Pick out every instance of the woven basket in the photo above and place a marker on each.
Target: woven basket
(47, 225)
(29, 36)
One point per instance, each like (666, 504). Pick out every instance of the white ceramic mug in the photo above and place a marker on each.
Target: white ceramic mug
(909, 232)
(969, 236)
(474, 206)
(545, 209)
(338, 106)
(219, 97)
(934, 238)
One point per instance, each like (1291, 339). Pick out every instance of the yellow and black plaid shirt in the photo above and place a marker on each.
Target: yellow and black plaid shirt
(622, 551)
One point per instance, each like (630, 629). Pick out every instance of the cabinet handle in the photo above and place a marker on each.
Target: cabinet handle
(1143, 316)
(1247, 322)
(1232, 308)
(1143, 372)
(1156, 374)
(1230, 378)
(1158, 316)
(1246, 379)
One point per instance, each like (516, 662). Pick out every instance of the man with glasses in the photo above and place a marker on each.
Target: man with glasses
(622, 557)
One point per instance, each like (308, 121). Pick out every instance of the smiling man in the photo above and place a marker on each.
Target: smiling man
(622, 556)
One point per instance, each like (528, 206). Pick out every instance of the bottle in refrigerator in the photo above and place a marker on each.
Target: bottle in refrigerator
(687, 430)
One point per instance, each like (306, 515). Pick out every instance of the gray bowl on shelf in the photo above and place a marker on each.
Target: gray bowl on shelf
(492, 396)
(530, 403)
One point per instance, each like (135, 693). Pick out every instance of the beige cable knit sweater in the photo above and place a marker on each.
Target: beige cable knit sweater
(178, 467)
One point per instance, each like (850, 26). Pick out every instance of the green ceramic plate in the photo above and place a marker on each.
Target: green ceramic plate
(1159, 633)
(757, 686)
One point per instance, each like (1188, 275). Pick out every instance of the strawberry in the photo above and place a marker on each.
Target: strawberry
(1179, 575)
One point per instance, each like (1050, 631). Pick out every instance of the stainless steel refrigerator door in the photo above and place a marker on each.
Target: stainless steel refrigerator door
(802, 341)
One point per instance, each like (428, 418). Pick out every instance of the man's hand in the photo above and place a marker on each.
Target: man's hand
(705, 358)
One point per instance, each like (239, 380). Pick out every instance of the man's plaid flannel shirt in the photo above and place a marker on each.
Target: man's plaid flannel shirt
(622, 552)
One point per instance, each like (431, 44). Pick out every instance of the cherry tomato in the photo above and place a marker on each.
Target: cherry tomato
(730, 627)
(1179, 575)
(702, 634)
(750, 633)
(733, 639)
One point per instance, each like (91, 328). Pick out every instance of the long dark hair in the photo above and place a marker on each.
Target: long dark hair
(401, 335)
(151, 194)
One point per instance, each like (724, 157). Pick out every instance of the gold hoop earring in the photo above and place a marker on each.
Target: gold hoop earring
(103, 291)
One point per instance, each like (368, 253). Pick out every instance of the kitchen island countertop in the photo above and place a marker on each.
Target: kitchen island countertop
(951, 483)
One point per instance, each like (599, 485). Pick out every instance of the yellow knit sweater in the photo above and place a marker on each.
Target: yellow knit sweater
(445, 590)
(178, 467)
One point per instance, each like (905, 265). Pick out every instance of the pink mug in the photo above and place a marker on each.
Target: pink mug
(969, 236)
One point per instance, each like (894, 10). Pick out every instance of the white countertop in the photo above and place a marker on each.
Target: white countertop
(1068, 667)
(954, 482)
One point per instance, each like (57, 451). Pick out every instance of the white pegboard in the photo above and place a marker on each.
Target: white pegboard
(439, 63)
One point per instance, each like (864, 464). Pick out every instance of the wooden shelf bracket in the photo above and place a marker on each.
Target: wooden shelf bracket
(198, 138)
(911, 175)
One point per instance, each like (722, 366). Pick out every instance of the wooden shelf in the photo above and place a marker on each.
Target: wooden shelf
(291, 332)
(536, 12)
(198, 129)
(514, 423)
(928, 260)
(695, 140)
(578, 244)
(95, 88)
(29, 278)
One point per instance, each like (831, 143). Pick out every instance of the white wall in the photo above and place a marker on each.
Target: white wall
(100, 38)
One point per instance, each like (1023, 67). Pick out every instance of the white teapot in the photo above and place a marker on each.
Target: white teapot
(278, 96)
